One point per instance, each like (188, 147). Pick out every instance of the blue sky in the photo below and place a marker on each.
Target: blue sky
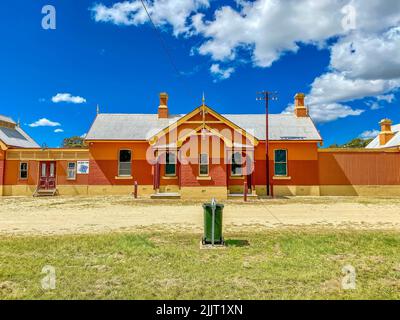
(112, 56)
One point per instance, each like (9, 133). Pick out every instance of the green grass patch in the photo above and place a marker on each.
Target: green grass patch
(274, 264)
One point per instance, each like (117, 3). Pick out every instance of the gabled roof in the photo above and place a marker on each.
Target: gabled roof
(281, 126)
(14, 136)
(144, 126)
(208, 110)
(394, 142)
(6, 119)
(17, 138)
(128, 126)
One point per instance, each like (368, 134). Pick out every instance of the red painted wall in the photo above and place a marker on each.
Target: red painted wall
(302, 163)
(359, 168)
(12, 173)
(81, 179)
(104, 163)
(2, 166)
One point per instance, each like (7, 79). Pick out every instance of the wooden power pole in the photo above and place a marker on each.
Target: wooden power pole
(266, 96)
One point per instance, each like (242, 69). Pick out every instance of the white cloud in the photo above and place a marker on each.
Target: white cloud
(364, 60)
(362, 66)
(84, 135)
(43, 122)
(369, 134)
(221, 73)
(58, 130)
(335, 87)
(368, 56)
(332, 111)
(121, 13)
(258, 27)
(326, 112)
(331, 90)
(265, 28)
(162, 12)
(374, 105)
(353, 78)
(268, 29)
(380, 101)
(389, 98)
(67, 97)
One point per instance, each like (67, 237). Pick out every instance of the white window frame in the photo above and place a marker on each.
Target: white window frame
(174, 163)
(69, 170)
(204, 164)
(119, 164)
(240, 174)
(27, 170)
(276, 162)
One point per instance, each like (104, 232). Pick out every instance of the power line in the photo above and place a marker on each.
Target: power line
(161, 39)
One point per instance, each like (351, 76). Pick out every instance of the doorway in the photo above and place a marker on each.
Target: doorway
(47, 175)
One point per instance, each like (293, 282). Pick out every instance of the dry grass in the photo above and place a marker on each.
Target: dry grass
(71, 215)
(99, 201)
(121, 248)
(297, 263)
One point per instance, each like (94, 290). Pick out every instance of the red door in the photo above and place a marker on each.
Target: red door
(47, 175)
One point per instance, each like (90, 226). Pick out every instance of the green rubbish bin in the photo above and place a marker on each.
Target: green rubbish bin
(211, 210)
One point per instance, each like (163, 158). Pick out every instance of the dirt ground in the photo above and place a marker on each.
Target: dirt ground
(70, 215)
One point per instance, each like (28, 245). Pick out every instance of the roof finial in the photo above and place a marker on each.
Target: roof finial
(203, 100)
(19, 123)
(98, 109)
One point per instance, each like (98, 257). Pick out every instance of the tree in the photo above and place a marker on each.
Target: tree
(355, 143)
(74, 142)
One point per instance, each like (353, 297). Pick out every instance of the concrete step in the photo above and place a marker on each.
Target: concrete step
(45, 193)
(241, 196)
(166, 195)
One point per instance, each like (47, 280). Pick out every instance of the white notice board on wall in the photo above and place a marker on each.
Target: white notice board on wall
(82, 167)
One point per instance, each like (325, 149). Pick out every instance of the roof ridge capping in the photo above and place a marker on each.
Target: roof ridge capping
(7, 119)
(137, 126)
(136, 114)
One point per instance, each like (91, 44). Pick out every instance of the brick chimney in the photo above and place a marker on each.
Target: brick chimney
(300, 110)
(163, 107)
(386, 131)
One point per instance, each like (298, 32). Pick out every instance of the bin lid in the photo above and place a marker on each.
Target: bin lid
(208, 205)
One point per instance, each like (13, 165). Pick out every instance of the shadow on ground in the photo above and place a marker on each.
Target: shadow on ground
(237, 243)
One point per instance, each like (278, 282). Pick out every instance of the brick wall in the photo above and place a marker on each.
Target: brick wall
(104, 163)
(190, 173)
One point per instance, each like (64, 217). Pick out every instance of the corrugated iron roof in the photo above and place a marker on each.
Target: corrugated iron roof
(17, 138)
(128, 126)
(144, 126)
(281, 126)
(394, 142)
(6, 119)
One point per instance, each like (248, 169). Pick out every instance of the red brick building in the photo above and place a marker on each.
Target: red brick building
(201, 154)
